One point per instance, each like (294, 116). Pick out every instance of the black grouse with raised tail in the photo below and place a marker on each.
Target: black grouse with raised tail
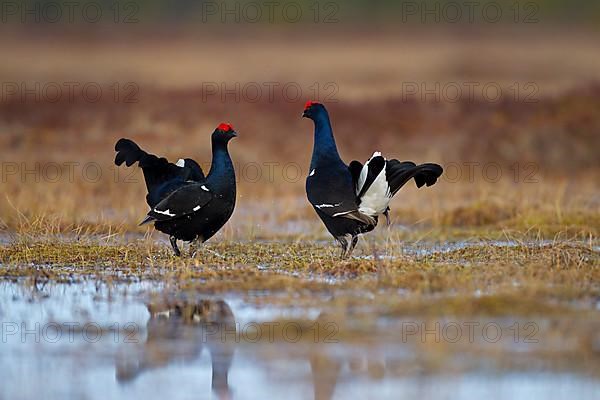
(349, 199)
(184, 203)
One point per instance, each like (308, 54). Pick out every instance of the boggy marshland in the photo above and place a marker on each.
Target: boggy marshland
(485, 284)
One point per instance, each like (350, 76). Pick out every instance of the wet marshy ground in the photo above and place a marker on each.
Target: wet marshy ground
(437, 321)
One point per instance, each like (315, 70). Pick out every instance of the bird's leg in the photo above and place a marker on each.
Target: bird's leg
(387, 216)
(344, 244)
(352, 245)
(173, 240)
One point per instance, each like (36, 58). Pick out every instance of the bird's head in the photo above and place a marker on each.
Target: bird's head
(312, 109)
(224, 133)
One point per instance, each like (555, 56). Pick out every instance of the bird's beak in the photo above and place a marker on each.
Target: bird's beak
(303, 115)
(234, 133)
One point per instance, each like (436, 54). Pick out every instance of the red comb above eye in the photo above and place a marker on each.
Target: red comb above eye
(225, 127)
(309, 104)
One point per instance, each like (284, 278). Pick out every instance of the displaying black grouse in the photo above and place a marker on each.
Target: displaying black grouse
(184, 203)
(349, 199)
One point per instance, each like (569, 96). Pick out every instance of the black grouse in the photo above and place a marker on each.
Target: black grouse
(349, 199)
(184, 203)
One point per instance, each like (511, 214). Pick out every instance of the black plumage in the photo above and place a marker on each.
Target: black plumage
(184, 203)
(350, 198)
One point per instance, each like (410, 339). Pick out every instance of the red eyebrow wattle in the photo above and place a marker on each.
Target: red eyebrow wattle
(223, 126)
(309, 104)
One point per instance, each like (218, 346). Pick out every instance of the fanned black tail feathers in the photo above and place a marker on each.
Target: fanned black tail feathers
(156, 170)
(398, 173)
(128, 152)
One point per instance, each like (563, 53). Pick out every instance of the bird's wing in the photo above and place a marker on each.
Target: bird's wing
(335, 196)
(193, 171)
(358, 216)
(344, 210)
(184, 201)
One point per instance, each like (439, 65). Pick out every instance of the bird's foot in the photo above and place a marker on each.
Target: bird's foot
(173, 240)
(347, 242)
(344, 245)
(352, 245)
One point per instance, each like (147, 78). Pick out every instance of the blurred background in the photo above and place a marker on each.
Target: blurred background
(504, 94)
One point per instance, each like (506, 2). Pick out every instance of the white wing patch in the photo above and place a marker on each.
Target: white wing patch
(312, 172)
(167, 212)
(342, 213)
(180, 163)
(197, 208)
(377, 198)
(327, 205)
(204, 188)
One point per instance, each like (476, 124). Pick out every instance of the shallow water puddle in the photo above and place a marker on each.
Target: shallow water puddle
(96, 341)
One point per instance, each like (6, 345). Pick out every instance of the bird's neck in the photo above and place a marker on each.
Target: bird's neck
(324, 150)
(221, 171)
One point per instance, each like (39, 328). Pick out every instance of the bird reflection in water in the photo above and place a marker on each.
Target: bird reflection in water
(327, 366)
(177, 331)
